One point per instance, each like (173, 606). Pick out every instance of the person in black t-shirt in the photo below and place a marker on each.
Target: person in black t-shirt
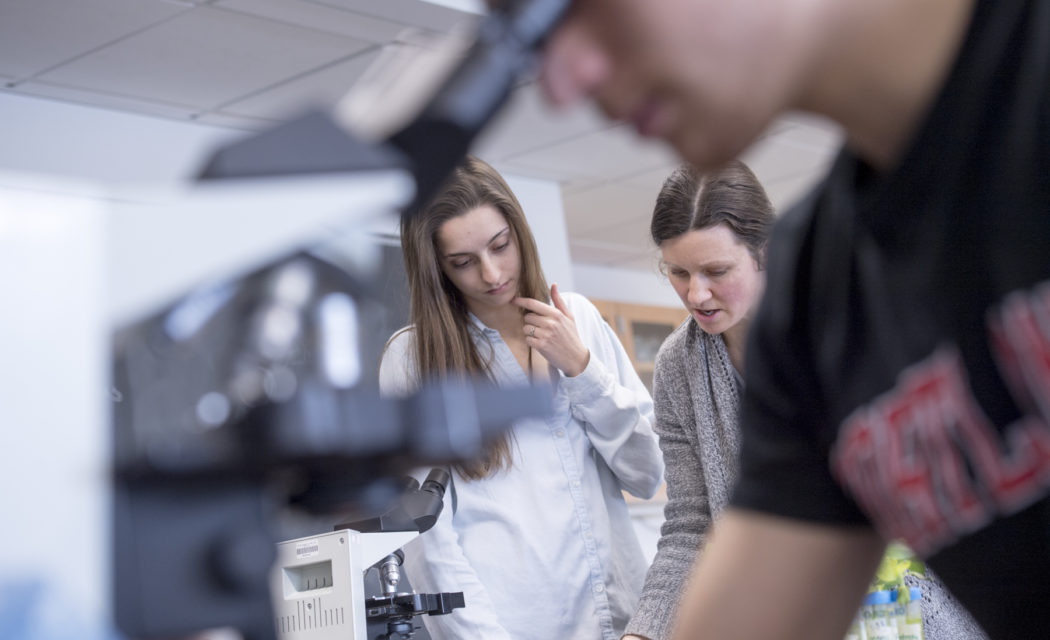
(898, 371)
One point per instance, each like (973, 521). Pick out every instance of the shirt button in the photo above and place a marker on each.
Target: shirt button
(587, 534)
(599, 588)
(575, 483)
(560, 433)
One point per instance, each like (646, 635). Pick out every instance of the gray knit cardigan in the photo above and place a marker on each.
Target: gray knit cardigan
(697, 403)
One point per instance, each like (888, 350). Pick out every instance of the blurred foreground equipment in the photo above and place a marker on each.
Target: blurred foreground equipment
(248, 397)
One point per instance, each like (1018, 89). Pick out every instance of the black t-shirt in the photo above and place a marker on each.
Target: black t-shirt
(899, 367)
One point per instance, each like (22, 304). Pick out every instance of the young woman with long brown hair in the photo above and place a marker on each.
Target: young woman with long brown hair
(538, 537)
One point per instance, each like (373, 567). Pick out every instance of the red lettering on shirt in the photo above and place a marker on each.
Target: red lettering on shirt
(924, 460)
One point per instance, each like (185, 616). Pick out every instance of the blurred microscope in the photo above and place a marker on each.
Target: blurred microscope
(244, 399)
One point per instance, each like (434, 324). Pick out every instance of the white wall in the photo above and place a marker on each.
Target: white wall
(541, 200)
(625, 285)
(57, 138)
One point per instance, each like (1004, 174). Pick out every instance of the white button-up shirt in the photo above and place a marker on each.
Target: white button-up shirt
(546, 548)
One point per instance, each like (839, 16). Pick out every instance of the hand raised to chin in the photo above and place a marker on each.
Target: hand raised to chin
(550, 329)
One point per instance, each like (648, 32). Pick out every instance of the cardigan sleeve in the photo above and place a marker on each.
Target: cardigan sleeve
(687, 514)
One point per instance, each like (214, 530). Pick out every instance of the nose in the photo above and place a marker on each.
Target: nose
(699, 290)
(490, 272)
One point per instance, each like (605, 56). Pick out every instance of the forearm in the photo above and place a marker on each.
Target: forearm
(618, 420)
(687, 516)
(804, 580)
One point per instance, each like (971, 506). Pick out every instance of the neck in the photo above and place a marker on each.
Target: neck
(880, 66)
(734, 339)
(505, 318)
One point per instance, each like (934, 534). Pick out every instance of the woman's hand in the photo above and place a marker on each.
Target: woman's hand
(550, 329)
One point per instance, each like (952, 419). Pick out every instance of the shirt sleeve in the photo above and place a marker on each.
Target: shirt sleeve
(614, 405)
(435, 563)
(398, 375)
(786, 426)
(687, 514)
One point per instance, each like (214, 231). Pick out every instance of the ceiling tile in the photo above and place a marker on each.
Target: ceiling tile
(775, 159)
(320, 17)
(107, 101)
(651, 181)
(322, 88)
(605, 205)
(247, 123)
(408, 12)
(36, 35)
(570, 183)
(527, 123)
(205, 57)
(609, 154)
(631, 234)
(785, 193)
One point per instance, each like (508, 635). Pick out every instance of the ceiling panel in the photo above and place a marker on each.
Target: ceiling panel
(320, 17)
(785, 193)
(408, 12)
(323, 87)
(609, 154)
(205, 57)
(527, 123)
(607, 204)
(567, 183)
(107, 101)
(632, 233)
(651, 180)
(247, 64)
(36, 35)
(778, 157)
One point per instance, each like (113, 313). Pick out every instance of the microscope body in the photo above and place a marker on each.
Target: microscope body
(348, 584)
(318, 583)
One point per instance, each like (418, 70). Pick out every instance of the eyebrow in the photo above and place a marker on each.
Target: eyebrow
(505, 229)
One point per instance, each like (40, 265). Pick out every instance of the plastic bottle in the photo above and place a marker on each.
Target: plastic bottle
(856, 629)
(909, 617)
(876, 616)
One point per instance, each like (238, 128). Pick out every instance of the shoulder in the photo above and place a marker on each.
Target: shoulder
(397, 367)
(401, 343)
(588, 319)
(579, 303)
(682, 341)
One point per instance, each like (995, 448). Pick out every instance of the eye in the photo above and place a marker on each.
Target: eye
(459, 264)
(678, 273)
(501, 247)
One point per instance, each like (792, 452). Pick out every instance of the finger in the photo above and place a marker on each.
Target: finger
(559, 302)
(533, 305)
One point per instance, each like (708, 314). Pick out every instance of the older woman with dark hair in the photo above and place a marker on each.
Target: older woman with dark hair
(711, 230)
(536, 533)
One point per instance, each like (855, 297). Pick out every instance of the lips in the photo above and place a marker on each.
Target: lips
(498, 290)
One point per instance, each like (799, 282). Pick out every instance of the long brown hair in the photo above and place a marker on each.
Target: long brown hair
(438, 312)
(691, 199)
